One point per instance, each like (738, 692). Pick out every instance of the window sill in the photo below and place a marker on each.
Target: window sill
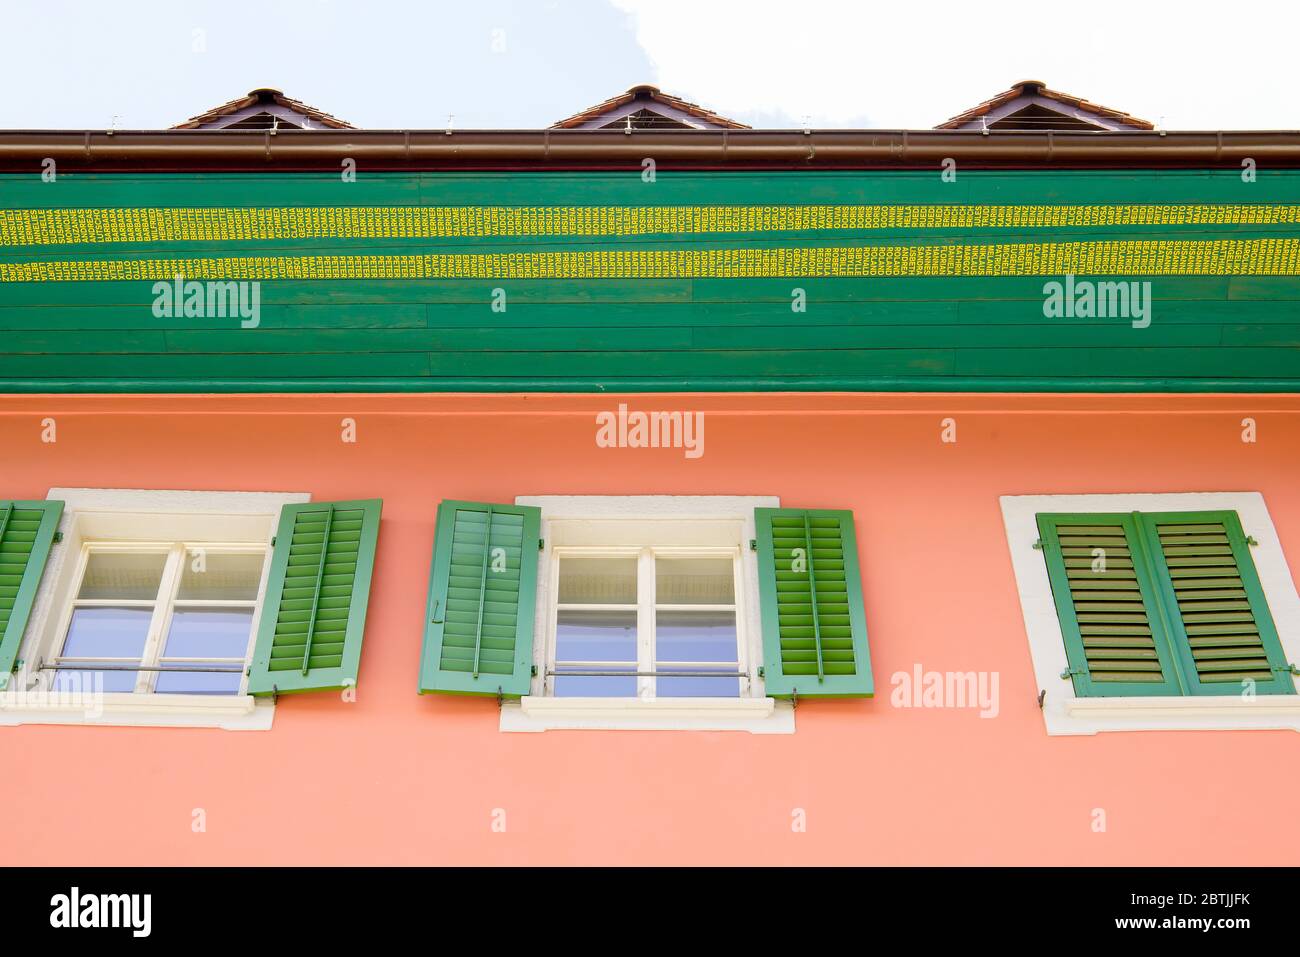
(1227, 713)
(228, 712)
(755, 715)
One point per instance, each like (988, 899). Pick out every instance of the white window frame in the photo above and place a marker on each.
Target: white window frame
(645, 525)
(164, 604)
(1065, 713)
(138, 519)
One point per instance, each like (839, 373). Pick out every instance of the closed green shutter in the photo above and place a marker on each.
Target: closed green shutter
(1161, 603)
(482, 594)
(27, 531)
(314, 615)
(810, 592)
(1218, 614)
(1107, 606)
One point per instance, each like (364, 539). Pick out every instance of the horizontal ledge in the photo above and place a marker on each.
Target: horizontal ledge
(229, 712)
(755, 715)
(1198, 706)
(716, 707)
(423, 384)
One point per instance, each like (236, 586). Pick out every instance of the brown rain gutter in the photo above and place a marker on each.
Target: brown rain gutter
(286, 150)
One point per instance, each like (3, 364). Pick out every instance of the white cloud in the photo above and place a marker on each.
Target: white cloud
(1186, 65)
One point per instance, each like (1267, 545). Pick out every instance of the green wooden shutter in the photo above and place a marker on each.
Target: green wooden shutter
(27, 531)
(1108, 606)
(1218, 616)
(314, 615)
(482, 594)
(810, 592)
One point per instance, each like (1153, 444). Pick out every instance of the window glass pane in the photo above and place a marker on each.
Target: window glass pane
(596, 636)
(94, 682)
(198, 682)
(100, 633)
(695, 581)
(107, 633)
(694, 687)
(217, 576)
(695, 636)
(595, 687)
(598, 580)
(208, 633)
(123, 575)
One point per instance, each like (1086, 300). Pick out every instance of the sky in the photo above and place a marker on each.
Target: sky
(147, 64)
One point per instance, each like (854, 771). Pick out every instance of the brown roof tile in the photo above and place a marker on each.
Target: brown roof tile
(1028, 88)
(649, 94)
(268, 96)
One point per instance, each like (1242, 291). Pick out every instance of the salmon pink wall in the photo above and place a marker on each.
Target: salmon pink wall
(397, 778)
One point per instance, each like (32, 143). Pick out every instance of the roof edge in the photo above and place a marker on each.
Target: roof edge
(286, 150)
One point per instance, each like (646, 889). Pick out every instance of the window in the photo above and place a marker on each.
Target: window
(648, 611)
(650, 623)
(160, 617)
(146, 611)
(1156, 610)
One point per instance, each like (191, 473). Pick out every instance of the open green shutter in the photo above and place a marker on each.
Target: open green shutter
(482, 593)
(314, 615)
(27, 531)
(1108, 606)
(810, 591)
(1218, 614)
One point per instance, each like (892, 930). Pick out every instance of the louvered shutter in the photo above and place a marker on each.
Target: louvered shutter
(810, 592)
(1108, 606)
(27, 531)
(314, 615)
(482, 596)
(1218, 615)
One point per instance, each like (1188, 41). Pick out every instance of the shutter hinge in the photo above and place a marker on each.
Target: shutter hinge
(1039, 545)
(1041, 695)
(1250, 540)
(533, 672)
(273, 541)
(1068, 673)
(794, 697)
(760, 671)
(541, 544)
(58, 536)
(501, 698)
(1287, 669)
(753, 544)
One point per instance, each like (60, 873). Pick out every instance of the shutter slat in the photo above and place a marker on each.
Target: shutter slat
(482, 595)
(810, 590)
(27, 530)
(314, 615)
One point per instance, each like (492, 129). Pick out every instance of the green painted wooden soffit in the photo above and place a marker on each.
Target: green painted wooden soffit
(603, 281)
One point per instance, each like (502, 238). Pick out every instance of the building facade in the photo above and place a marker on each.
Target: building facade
(628, 494)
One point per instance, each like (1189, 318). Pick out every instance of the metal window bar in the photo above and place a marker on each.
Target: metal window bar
(647, 674)
(320, 582)
(233, 670)
(482, 589)
(812, 592)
